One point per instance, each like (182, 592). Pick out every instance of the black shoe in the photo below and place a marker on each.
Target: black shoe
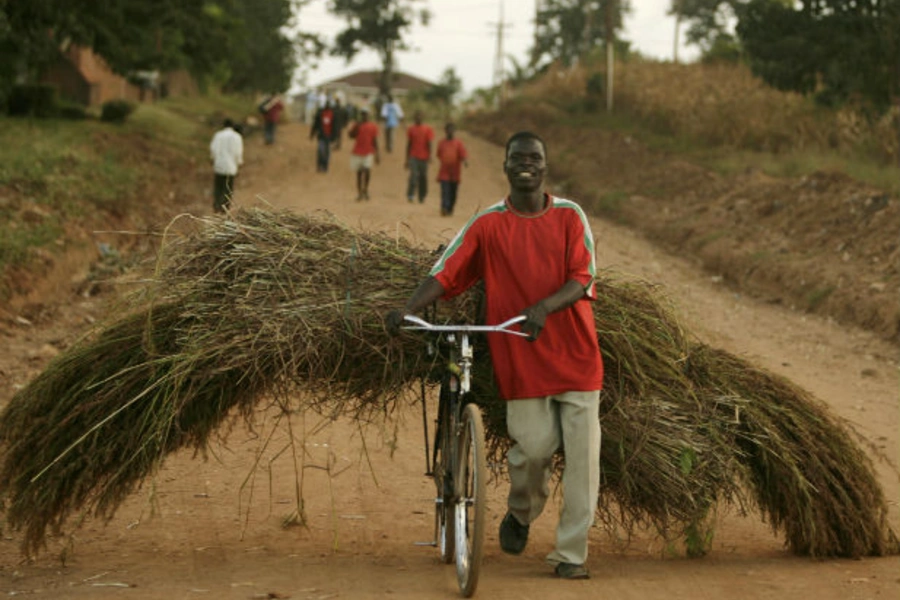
(513, 535)
(571, 571)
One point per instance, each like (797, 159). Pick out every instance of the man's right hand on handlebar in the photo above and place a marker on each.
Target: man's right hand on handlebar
(393, 320)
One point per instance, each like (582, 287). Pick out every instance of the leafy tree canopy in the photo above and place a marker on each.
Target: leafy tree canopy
(379, 25)
(839, 50)
(569, 29)
(240, 43)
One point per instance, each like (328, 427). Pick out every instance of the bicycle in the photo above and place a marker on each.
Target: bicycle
(458, 465)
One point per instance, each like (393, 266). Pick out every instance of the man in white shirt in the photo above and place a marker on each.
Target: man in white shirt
(227, 152)
(392, 114)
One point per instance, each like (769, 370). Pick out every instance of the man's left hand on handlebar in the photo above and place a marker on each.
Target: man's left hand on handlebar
(535, 317)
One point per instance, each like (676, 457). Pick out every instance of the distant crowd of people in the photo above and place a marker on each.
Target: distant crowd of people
(329, 116)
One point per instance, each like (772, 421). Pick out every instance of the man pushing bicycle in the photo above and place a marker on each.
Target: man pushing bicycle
(535, 254)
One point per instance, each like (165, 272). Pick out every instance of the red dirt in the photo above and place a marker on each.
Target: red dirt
(196, 532)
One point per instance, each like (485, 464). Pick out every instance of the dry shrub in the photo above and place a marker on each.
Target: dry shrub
(724, 104)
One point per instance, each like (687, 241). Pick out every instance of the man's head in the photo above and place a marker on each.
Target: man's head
(450, 129)
(227, 124)
(364, 114)
(525, 163)
(417, 117)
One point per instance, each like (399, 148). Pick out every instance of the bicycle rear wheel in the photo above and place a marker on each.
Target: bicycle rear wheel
(444, 523)
(471, 488)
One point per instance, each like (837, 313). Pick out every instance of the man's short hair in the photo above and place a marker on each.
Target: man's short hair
(524, 135)
(227, 123)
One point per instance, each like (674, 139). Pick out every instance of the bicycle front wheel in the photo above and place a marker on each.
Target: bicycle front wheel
(445, 440)
(471, 487)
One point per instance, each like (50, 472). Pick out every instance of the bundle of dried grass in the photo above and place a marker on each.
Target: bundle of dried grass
(278, 307)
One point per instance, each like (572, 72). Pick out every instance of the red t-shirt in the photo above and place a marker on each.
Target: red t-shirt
(451, 153)
(419, 137)
(522, 260)
(273, 113)
(366, 133)
(327, 121)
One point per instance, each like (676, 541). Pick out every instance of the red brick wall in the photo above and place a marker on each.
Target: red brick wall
(84, 77)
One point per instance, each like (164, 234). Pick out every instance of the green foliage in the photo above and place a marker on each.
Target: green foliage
(264, 52)
(444, 92)
(56, 172)
(71, 110)
(724, 49)
(569, 29)
(33, 100)
(242, 43)
(839, 50)
(379, 25)
(116, 111)
(707, 20)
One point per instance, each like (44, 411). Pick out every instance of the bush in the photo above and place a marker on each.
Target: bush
(116, 111)
(71, 110)
(34, 100)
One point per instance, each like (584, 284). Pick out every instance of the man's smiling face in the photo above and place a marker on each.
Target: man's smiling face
(526, 164)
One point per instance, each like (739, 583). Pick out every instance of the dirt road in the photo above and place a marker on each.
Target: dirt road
(213, 529)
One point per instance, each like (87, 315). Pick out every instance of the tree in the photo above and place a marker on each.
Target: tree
(268, 46)
(839, 50)
(444, 92)
(708, 21)
(567, 30)
(379, 25)
(241, 42)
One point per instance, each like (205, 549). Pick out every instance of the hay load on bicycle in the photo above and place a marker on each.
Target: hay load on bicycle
(273, 307)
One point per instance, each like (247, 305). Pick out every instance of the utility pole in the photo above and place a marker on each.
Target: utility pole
(499, 71)
(610, 52)
(538, 7)
(676, 5)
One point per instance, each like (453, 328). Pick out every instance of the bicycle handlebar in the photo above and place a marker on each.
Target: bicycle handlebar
(504, 327)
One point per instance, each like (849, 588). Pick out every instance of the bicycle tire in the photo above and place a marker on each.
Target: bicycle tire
(471, 488)
(444, 530)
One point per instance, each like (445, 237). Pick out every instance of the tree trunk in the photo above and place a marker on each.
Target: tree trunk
(387, 72)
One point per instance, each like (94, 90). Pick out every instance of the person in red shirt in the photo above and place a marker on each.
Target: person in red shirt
(365, 151)
(419, 138)
(271, 108)
(451, 153)
(534, 253)
(324, 128)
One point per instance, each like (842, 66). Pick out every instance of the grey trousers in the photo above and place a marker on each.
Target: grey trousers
(539, 426)
(418, 179)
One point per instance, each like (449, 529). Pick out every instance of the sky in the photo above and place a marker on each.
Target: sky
(463, 34)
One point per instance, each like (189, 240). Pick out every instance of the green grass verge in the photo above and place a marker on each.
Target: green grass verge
(56, 171)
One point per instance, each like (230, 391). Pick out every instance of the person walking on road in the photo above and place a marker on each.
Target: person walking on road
(271, 108)
(365, 152)
(227, 152)
(323, 129)
(451, 154)
(341, 117)
(419, 138)
(534, 252)
(391, 114)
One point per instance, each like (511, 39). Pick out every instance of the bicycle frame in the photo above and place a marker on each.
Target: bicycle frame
(458, 461)
(463, 348)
